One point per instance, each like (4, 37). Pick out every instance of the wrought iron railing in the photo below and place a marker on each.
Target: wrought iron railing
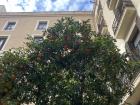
(133, 52)
(99, 7)
(101, 24)
(134, 55)
(119, 12)
(108, 2)
(101, 21)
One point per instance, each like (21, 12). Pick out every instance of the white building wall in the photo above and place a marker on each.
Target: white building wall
(109, 18)
(137, 5)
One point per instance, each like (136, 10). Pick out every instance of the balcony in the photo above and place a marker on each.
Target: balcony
(100, 20)
(99, 12)
(99, 16)
(111, 4)
(133, 45)
(99, 7)
(133, 99)
(102, 27)
(134, 53)
(124, 15)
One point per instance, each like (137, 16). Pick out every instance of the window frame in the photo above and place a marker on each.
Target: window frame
(6, 25)
(37, 25)
(130, 44)
(37, 35)
(5, 42)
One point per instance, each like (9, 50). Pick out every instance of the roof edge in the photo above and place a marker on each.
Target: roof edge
(46, 13)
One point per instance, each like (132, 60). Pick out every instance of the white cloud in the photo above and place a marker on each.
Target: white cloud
(73, 7)
(11, 5)
(61, 4)
(88, 7)
(70, 5)
(31, 5)
(47, 5)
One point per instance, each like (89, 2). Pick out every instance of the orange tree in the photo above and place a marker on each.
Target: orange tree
(72, 66)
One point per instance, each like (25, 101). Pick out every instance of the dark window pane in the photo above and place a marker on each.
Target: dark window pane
(10, 26)
(2, 42)
(38, 39)
(42, 25)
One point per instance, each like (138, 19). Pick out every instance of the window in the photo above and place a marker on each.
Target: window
(42, 25)
(2, 41)
(10, 26)
(133, 44)
(138, 45)
(38, 39)
(137, 42)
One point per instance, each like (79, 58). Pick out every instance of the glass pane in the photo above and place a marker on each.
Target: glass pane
(38, 39)
(2, 41)
(42, 25)
(10, 26)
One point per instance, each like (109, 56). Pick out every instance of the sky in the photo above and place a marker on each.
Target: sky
(46, 5)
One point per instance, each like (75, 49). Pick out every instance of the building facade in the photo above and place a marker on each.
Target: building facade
(15, 26)
(118, 18)
(121, 20)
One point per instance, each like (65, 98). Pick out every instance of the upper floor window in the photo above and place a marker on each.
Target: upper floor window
(38, 39)
(136, 42)
(133, 44)
(42, 25)
(10, 26)
(2, 42)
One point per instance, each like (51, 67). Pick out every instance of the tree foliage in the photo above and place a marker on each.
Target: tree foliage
(72, 66)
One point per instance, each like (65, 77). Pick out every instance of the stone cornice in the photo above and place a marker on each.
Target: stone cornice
(44, 14)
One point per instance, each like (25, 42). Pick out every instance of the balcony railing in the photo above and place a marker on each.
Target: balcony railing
(134, 55)
(111, 4)
(119, 12)
(101, 25)
(133, 52)
(108, 2)
(99, 7)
